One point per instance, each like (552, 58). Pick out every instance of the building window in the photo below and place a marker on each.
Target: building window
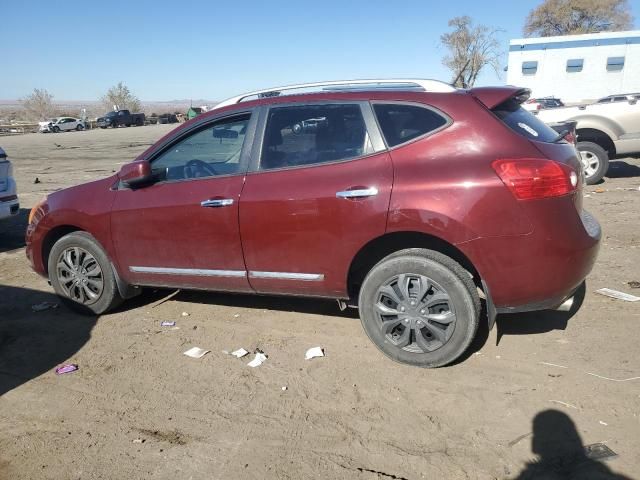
(529, 68)
(575, 65)
(615, 64)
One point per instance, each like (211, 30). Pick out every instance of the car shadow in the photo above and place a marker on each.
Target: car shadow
(13, 230)
(622, 169)
(35, 343)
(561, 454)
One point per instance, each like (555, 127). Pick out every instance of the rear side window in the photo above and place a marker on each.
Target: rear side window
(523, 122)
(402, 123)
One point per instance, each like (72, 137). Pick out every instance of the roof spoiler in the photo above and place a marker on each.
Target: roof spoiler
(491, 97)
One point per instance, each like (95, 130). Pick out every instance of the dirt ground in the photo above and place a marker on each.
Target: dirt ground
(139, 409)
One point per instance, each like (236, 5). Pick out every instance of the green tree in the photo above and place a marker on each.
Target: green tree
(120, 96)
(570, 17)
(470, 49)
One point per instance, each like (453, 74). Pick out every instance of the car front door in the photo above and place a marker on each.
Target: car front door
(182, 231)
(318, 191)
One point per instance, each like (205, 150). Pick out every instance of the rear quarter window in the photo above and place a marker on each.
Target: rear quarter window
(524, 123)
(401, 123)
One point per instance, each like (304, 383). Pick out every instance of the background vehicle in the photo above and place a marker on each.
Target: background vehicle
(373, 200)
(168, 118)
(604, 130)
(534, 104)
(62, 124)
(121, 117)
(625, 97)
(9, 204)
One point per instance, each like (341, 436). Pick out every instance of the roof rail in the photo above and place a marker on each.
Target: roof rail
(337, 85)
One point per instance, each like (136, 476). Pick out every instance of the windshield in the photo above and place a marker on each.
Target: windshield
(111, 114)
(524, 123)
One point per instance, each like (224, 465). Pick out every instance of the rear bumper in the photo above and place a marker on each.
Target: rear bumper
(539, 270)
(9, 205)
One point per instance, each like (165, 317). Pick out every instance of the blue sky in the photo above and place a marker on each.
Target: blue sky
(212, 50)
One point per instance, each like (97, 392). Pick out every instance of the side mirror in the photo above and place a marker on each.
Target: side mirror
(135, 174)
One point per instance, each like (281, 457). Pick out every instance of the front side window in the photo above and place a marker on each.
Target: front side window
(401, 123)
(210, 151)
(615, 64)
(529, 68)
(313, 134)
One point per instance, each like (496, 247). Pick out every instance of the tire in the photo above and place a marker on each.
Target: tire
(595, 161)
(127, 125)
(81, 249)
(104, 128)
(114, 125)
(459, 308)
(56, 129)
(79, 128)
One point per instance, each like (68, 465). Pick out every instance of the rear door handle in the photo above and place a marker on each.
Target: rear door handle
(358, 193)
(217, 202)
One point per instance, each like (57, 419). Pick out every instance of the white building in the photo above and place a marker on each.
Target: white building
(576, 68)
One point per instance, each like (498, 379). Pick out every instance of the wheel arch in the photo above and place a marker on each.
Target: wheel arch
(598, 137)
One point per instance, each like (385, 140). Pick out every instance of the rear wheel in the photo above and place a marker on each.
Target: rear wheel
(595, 161)
(56, 129)
(420, 308)
(81, 274)
(80, 127)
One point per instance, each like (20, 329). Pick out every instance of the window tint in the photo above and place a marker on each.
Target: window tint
(529, 68)
(401, 123)
(615, 64)
(523, 122)
(213, 150)
(310, 134)
(575, 65)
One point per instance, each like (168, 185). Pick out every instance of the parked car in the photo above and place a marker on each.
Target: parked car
(604, 130)
(62, 124)
(625, 97)
(168, 118)
(9, 204)
(412, 202)
(120, 117)
(534, 104)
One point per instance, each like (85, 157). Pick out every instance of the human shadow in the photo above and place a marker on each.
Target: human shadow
(622, 169)
(13, 230)
(561, 454)
(33, 343)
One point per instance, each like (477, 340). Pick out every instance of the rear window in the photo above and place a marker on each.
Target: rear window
(524, 123)
(401, 123)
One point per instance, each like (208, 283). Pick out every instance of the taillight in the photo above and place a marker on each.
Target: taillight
(533, 178)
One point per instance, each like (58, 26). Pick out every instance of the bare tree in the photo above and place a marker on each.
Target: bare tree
(470, 49)
(120, 96)
(38, 104)
(566, 17)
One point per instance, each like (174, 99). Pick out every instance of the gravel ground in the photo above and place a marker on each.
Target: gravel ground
(138, 409)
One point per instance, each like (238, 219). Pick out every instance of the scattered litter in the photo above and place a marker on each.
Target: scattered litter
(71, 367)
(168, 324)
(598, 451)
(196, 352)
(138, 440)
(587, 196)
(162, 300)
(498, 357)
(613, 379)
(41, 307)
(37, 180)
(604, 423)
(600, 190)
(284, 389)
(478, 353)
(607, 292)
(313, 353)
(565, 404)
(518, 439)
(241, 352)
(553, 365)
(634, 284)
(236, 315)
(258, 360)
(175, 328)
(185, 314)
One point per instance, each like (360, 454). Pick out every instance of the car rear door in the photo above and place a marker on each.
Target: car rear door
(183, 230)
(317, 192)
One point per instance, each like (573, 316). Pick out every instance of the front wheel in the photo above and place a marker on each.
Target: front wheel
(595, 161)
(56, 129)
(79, 128)
(81, 274)
(419, 307)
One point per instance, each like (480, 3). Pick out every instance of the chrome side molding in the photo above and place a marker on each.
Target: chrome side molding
(199, 272)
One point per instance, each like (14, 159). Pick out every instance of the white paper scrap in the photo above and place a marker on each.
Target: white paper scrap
(258, 360)
(314, 352)
(196, 352)
(607, 292)
(241, 352)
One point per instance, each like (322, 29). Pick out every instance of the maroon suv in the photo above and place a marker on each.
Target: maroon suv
(410, 199)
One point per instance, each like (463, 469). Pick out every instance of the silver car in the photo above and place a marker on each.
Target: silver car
(64, 124)
(9, 204)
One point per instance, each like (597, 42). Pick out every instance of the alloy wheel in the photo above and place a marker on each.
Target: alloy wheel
(590, 163)
(80, 275)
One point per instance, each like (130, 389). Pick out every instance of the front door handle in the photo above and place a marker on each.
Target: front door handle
(358, 193)
(217, 202)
